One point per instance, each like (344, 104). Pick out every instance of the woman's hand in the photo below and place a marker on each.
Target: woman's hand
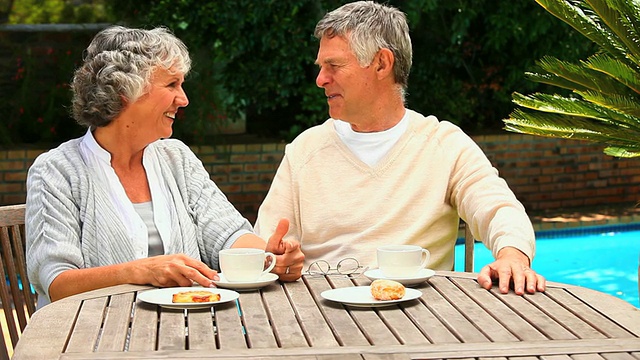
(173, 270)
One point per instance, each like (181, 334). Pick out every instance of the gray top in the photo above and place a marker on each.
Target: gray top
(71, 221)
(145, 210)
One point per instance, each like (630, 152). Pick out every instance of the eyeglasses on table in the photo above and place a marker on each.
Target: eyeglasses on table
(346, 266)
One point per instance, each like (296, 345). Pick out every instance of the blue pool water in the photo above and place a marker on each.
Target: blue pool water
(606, 261)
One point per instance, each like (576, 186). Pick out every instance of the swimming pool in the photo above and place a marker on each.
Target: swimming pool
(600, 258)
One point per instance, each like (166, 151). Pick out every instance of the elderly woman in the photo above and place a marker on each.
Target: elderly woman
(123, 203)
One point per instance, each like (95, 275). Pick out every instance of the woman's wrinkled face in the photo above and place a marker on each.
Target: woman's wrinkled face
(155, 112)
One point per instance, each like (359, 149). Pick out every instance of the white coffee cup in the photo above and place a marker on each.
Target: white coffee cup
(402, 261)
(244, 264)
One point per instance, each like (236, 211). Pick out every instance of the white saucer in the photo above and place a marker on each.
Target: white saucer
(422, 276)
(163, 297)
(263, 281)
(360, 296)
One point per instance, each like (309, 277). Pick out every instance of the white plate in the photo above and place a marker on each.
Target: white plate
(163, 297)
(264, 280)
(360, 296)
(422, 276)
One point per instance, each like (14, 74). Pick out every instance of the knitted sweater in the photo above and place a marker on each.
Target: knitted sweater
(72, 223)
(435, 174)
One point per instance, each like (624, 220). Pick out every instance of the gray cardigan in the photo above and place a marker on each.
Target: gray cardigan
(71, 222)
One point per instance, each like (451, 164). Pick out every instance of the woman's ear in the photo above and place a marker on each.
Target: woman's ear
(384, 60)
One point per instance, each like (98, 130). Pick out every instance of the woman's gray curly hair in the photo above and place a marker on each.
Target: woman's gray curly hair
(117, 69)
(369, 27)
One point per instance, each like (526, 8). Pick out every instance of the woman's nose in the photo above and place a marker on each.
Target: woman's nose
(182, 99)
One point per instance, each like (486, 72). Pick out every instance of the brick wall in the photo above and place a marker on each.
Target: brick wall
(545, 173)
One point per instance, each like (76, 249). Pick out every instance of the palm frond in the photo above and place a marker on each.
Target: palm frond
(615, 69)
(624, 104)
(621, 152)
(581, 76)
(606, 105)
(584, 24)
(570, 127)
(609, 14)
(578, 108)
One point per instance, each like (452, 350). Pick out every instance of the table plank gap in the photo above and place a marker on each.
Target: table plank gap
(342, 325)
(144, 327)
(88, 326)
(230, 332)
(201, 335)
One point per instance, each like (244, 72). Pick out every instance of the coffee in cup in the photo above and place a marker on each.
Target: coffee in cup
(245, 264)
(402, 261)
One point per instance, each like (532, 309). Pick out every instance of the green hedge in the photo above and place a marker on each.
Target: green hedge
(255, 59)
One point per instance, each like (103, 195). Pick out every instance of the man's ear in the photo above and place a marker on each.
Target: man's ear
(384, 60)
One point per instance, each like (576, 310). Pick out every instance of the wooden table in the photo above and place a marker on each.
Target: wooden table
(454, 319)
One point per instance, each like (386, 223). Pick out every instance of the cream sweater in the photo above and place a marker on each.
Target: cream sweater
(435, 174)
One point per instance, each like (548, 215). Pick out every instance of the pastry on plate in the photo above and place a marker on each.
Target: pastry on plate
(383, 289)
(195, 296)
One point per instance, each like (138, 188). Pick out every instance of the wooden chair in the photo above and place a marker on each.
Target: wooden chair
(469, 246)
(18, 299)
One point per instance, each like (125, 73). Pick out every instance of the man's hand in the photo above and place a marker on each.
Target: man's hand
(511, 266)
(289, 256)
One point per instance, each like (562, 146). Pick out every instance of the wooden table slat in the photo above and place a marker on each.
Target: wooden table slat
(341, 323)
(116, 322)
(429, 351)
(491, 328)
(282, 317)
(371, 325)
(560, 314)
(309, 315)
(590, 314)
(172, 330)
(53, 321)
(88, 325)
(201, 333)
(256, 320)
(230, 332)
(450, 316)
(522, 329)
(545, 324)
(144, 327)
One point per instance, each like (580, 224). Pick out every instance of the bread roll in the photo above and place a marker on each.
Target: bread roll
(195, 296)
(382, 289)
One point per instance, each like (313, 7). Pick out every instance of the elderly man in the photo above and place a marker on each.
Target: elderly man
(377, 173)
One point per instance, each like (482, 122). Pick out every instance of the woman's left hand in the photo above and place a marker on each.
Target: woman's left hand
(289, 256)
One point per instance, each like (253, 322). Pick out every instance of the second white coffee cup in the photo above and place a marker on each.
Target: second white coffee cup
(402, 261)
(245, 264)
